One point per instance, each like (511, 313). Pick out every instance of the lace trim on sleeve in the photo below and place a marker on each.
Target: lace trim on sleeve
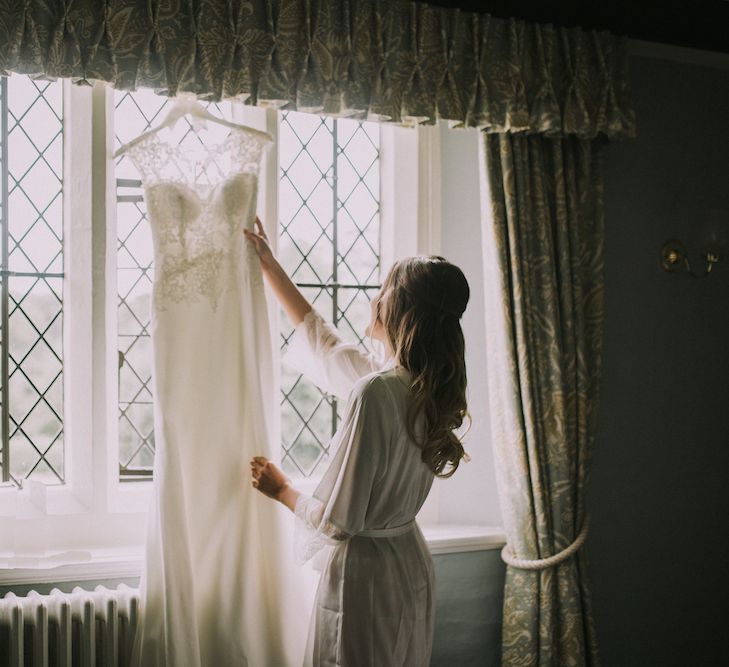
(311, 532)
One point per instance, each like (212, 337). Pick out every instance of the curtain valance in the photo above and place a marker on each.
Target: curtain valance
(383, 60)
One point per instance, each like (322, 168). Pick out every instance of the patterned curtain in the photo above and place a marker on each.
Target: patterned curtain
(404, 62)
(544, 283)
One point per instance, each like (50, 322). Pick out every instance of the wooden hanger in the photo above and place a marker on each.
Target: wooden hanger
(186, 103)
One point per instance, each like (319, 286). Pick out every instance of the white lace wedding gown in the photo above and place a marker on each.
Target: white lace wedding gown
(214, 581)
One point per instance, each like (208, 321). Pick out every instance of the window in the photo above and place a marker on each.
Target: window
(76, 338)
(31, 345)
(329, 244)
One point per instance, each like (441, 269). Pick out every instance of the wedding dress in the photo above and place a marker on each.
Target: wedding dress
(214, 579)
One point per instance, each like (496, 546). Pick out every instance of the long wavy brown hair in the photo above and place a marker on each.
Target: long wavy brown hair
(420, 305)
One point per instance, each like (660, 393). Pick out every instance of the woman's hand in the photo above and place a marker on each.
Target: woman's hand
(268, 478)
(260, 243)
(291, 298)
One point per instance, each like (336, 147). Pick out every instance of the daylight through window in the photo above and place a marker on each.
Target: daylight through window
(329, 195)
(31, 324)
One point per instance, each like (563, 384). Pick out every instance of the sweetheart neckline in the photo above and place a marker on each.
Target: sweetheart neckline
(192, 189)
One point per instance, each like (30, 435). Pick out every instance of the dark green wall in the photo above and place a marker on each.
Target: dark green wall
(659, 491)
(469, 598)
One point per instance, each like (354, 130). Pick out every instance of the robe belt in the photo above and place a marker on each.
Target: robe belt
(388, 532)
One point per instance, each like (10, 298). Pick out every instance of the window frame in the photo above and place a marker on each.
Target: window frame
(94, 511)
(36, 497)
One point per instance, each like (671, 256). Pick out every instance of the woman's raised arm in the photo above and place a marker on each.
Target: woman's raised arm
(316, 348)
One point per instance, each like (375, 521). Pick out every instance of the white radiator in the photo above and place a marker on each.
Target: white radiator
(78, 629)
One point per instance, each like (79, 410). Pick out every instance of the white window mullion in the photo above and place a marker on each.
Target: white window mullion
(105, 398)
(77, 325)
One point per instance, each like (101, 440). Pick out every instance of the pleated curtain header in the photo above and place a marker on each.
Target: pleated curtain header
(403, 62)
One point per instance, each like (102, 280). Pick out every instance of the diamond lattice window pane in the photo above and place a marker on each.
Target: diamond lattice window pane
(354, 314)
(329, 245)
(32, 238)
(134, 114)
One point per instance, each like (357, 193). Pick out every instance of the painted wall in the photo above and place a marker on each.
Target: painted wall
(659, 496)
(469, 597)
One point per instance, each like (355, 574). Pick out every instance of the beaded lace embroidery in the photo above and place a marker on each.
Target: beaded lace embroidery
(197, 208)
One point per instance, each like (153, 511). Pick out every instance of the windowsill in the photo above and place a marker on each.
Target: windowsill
(78, 565)
(449, 539)
(81, 565)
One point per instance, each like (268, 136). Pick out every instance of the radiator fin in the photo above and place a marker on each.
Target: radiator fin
(78, 629)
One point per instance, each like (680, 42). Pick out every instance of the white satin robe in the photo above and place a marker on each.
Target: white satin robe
(375, 601)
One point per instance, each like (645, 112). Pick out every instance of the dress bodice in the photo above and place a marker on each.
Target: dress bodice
(198, 202)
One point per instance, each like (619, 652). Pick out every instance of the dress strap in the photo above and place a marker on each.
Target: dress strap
(388, 532)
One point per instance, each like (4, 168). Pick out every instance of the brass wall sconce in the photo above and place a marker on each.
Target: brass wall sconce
(674, 259)
(710, 234)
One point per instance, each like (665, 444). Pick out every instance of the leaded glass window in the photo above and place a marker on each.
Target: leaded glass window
(31, 324)
(329, 193)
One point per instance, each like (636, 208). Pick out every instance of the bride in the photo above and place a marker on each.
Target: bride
(375, 600)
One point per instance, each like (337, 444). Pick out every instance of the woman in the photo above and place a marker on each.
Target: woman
(375, 601)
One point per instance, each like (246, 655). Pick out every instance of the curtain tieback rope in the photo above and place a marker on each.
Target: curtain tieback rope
(544, 563)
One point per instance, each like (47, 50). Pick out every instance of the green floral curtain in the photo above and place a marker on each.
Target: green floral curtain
(544, 282)
(378, 59)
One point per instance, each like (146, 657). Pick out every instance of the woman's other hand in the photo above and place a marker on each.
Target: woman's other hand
(260, 242)
(268, 478)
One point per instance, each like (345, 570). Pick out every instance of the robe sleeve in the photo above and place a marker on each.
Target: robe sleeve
(338, 508)
(311, 531)
(317, 350)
